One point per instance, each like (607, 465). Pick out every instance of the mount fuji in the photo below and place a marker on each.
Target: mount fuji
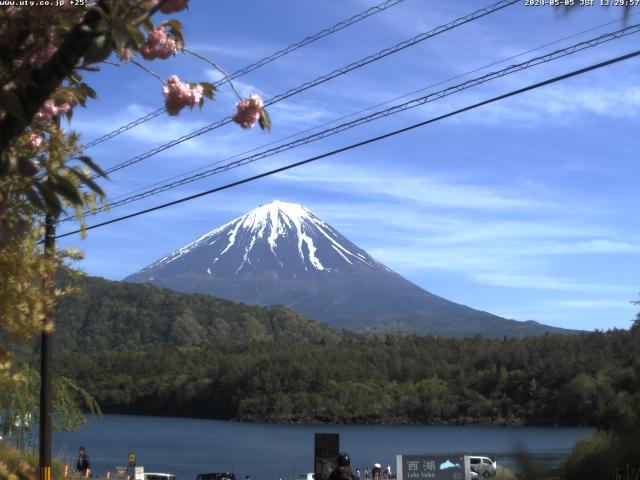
(281, 253)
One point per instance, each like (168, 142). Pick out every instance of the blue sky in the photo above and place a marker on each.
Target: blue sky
(527, 208)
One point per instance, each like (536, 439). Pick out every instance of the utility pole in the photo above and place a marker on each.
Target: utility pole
(46, 361)
(46, 351)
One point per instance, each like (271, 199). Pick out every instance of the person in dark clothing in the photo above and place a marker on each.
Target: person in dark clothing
(376, 471)
(343, 470)
(82, 465)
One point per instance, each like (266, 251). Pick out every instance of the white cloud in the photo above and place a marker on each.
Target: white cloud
(419, 189)
(543, 282)
(590, 304)
(557, 105)
(297, 114)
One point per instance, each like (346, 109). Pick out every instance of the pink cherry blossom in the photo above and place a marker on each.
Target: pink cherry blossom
(47, 111)
(50, 110)
(64, 108)
(34, 141)
(178, 95)
(43, 55)
(125, 54)
(248, 111)
(158, 45)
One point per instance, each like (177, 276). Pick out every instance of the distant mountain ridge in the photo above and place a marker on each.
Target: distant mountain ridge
(281, 253)
(117, 316)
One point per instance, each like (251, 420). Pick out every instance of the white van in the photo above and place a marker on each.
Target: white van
(483, 466)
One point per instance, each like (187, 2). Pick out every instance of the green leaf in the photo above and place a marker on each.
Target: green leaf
(264, 121)
(102, 13)
(51, 200)
(88, 91)
(88, 182)
(26, 167)
(89, 163)
(174, 24)
(91, 68)
(11, 103)
(120, 34)
(66, 188)
(208, 89)
(99, 49)
(136, 35)
(147, 24)
(177, 36)
(35, 199)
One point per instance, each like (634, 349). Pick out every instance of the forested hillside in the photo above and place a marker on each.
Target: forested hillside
(588, 379)
(106, 315)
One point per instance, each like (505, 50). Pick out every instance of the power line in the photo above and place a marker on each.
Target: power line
(328, 31)
(264, 61)
(124, 128)
(557, 54)
(386, 102)
(324, 78)
(364, 142)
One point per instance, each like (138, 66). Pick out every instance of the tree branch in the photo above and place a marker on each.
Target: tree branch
(44, 80)
(214, 65)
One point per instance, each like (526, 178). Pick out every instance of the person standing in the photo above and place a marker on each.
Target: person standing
(376, 471)
(388, 471)
(358, 473)
(83, 465)
(343, 470)
(367, 473)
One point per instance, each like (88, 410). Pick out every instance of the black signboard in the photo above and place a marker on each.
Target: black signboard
(431, 467)
(327, 447)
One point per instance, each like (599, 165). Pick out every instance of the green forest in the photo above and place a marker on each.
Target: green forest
(148, 350)
(141, 349)
(589, 379)
(106, 316)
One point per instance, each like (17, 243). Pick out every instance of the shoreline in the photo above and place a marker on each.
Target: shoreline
(364, 421)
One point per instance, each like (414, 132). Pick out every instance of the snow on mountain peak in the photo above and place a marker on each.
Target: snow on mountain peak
(272, 223)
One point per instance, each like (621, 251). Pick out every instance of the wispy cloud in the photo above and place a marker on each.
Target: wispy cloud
(422, 189)
(560, 105)
(591, 303)
(542, 282)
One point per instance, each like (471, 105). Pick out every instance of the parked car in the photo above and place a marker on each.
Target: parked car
(483, 466)
(159, 476)
(306, 476)
(216, 476)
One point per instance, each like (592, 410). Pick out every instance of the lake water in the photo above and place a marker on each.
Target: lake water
(187, 447)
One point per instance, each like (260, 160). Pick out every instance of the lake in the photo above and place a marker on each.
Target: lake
(186, 447)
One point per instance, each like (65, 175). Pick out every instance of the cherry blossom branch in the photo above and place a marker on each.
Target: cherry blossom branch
(148, 70)
(216, 66)
(42, 81)
(139, 65)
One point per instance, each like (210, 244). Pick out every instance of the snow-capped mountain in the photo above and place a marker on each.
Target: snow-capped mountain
(281, 253)
(279, 237)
